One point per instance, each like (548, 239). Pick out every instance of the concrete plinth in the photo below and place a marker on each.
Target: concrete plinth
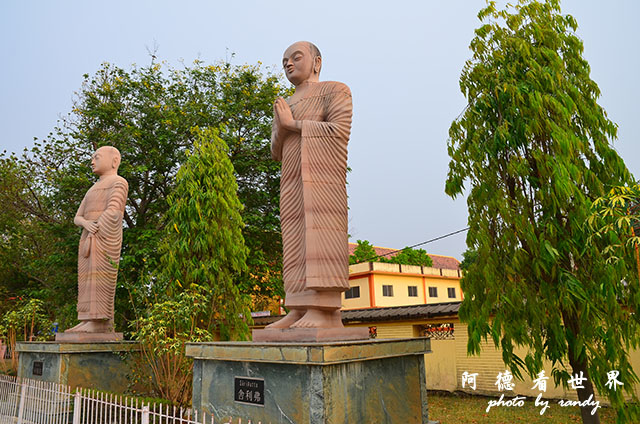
(91, 365)
(81, 337)
(374, 381)
(310, 334)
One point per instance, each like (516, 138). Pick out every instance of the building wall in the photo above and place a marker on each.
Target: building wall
(363, 267)
(441, 365)
(400, 284)
(442, 285)
(400, 277)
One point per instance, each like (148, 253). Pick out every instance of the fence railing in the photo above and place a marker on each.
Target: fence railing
(26, 401)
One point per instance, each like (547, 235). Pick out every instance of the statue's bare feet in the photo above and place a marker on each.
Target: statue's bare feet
(293, 316)
(98, 326)
(78, 328)
(318, 318)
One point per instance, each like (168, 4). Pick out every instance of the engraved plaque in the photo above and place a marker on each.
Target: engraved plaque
(249, 390)
(37, 367)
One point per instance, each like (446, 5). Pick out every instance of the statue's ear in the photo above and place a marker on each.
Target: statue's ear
(317, 64)
(114, 162)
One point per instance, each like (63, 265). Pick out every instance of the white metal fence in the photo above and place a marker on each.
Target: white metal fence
(25, 401)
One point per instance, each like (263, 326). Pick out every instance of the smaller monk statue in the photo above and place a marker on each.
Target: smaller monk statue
(100, 215)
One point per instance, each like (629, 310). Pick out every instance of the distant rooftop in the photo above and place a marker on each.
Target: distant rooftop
(439, 261)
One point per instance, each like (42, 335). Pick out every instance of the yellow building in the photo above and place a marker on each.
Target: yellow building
(378, 284)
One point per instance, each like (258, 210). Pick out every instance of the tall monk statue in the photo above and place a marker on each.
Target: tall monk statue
(310, 135)
(100, 215)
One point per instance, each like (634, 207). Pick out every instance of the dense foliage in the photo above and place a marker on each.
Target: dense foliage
(365, 252)
(534, 147)
(162, 367)
(203, 243)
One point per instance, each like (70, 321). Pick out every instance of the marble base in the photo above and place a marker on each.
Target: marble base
(372, 381)
(84, 337)
(100, 366)
(310, 334)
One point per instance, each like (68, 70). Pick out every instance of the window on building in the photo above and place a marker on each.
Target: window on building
(352, 293)
(413, 291)
(451, 292)
(387, 290)
(433, 292)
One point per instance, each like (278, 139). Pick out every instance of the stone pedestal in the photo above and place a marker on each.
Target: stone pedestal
(100, 366)
(373, 381)
(68, 337)
(310, 334)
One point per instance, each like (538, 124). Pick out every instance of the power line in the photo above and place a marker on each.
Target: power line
(416, 245)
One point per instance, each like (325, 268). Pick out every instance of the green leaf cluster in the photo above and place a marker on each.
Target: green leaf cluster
(408, 256)
(615, 219)
(365, 252)
(162, 334)
(534, 147)
(26, 320)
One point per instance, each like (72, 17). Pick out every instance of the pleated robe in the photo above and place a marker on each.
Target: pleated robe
(99, 253)
(313, 197)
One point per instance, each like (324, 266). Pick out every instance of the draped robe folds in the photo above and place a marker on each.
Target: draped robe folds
(99, 253)
(313, 197)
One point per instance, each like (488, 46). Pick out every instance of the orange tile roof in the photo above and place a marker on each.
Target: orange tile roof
(439, 261)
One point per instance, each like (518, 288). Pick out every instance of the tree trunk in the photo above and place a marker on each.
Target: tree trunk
(578, 365)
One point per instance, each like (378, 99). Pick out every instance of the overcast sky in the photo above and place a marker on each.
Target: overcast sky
(402, 60)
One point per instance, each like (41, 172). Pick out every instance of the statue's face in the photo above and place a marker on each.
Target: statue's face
(102, 161)
(297, 62)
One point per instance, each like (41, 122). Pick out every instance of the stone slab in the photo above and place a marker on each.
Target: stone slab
(310, 334)
(80, 337)
(57, 347)
(373, 381)
(308, 353)
(101, 366)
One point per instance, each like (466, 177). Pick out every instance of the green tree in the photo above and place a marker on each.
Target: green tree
(408, 256)
(26, 321)
(37, 253)
(204, 243)
(364, 252)
(534, 146)
(469, 256)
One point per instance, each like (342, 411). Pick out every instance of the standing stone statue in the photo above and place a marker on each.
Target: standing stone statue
(310, 135)
(100, 215)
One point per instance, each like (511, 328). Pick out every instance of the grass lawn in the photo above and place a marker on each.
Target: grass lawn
(462, 409)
